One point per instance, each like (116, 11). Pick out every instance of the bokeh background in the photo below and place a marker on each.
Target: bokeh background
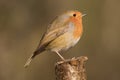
(23, 22)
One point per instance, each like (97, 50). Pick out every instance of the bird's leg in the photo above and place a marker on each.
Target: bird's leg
(60, 55)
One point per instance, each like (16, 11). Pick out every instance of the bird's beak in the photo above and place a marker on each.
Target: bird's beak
(84, 15)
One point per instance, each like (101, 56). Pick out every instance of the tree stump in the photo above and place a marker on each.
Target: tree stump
(71, 69)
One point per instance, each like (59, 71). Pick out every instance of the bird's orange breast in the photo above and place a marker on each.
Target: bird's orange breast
(77, 27)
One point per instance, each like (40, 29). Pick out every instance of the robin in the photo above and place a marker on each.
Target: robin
(63, 33)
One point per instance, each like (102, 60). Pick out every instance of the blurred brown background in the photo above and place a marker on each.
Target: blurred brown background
(22, 23)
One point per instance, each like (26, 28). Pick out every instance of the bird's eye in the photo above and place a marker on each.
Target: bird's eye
(74, 15)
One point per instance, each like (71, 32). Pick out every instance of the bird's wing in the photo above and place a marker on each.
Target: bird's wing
(54, 30)
(53, 34)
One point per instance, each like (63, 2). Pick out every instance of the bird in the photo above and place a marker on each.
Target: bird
(62, 33)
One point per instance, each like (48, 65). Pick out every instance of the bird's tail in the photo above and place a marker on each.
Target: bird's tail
(33, 56)
(29, 60)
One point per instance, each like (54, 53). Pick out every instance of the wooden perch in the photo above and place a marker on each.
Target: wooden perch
(71, 69)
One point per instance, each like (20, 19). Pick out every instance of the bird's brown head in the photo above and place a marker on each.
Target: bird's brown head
(76, 18)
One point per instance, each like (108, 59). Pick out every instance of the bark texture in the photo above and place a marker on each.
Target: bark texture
(71, 69)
